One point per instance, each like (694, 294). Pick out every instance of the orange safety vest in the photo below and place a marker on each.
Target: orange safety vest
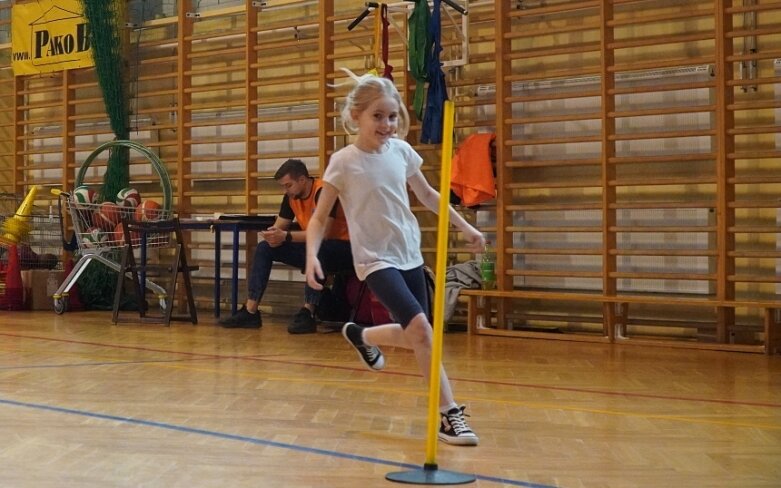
(305, 208)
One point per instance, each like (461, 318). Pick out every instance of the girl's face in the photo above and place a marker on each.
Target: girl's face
(377, 123)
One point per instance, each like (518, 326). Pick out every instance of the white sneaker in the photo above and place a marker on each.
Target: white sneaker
(454, 430)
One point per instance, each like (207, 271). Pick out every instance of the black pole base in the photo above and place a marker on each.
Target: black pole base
(430, 475)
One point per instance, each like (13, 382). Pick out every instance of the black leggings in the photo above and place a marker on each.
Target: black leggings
(403, 293)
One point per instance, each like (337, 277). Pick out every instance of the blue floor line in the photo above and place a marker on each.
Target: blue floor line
(250, 440)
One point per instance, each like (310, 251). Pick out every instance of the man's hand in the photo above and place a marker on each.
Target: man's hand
(274, 236)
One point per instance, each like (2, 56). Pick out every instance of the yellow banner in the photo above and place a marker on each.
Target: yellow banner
(49, 35)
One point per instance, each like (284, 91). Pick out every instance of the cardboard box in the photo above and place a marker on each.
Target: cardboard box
(39, 285)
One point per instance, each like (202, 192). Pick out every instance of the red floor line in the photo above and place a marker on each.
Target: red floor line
(632, 395)
(118, 346)
(399, 373)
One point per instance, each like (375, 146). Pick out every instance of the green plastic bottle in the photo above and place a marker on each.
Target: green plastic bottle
(488, 269)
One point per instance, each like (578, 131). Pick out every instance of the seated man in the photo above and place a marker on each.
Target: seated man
(283, 245)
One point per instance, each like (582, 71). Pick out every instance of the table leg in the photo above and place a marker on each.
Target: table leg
(217, 265)
(142, 274)
(235, 270)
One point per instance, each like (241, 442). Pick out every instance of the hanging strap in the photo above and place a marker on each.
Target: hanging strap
(377, 38)
(419, 51)
(385, 27)
(431, 131)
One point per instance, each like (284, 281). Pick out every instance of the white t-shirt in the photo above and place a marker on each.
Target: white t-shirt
(384, 232)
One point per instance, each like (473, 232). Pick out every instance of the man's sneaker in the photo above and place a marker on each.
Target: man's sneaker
(371, 356)
(303, 323)
(242, 319)
(454, 430)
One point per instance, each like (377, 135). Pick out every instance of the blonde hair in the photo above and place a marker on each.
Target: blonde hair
(367, 89)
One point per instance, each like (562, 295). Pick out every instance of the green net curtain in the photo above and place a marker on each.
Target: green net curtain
(106, 21)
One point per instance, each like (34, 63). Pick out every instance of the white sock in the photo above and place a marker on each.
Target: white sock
(447, 408)
(363, 338)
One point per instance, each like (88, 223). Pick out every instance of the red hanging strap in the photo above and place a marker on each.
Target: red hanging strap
(385, 24)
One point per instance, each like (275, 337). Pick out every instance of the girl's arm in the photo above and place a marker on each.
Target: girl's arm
(330, 220)
(429, 197)
(315, 231)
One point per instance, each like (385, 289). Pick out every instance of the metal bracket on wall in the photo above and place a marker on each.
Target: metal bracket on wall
(748, 68)
(460, 25)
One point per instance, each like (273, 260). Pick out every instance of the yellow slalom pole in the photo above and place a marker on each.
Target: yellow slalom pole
(443, 226)
(431, 474)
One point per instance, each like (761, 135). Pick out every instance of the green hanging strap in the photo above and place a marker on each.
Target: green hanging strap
(420, 43)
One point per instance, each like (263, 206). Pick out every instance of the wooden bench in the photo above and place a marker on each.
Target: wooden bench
(615, 316)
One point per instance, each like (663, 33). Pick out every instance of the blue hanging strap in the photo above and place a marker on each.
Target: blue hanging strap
(437, 90)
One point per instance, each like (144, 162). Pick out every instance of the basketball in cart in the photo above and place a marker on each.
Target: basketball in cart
(98, 226)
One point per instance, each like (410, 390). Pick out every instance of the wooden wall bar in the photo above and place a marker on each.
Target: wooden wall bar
(637, 158)
(7, 102)
(673, 185)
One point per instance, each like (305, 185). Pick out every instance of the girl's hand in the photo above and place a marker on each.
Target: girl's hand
(313, 272)
(474, 239)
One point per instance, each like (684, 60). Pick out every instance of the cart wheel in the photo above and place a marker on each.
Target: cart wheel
(60, 305)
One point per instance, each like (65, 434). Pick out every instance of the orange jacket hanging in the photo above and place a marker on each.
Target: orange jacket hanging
(472, 177)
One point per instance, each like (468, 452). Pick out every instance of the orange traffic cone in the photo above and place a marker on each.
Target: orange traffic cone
(14, 289)
(74, 297)
(2, 285)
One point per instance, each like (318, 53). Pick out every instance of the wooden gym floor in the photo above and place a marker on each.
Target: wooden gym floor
(84, 403)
